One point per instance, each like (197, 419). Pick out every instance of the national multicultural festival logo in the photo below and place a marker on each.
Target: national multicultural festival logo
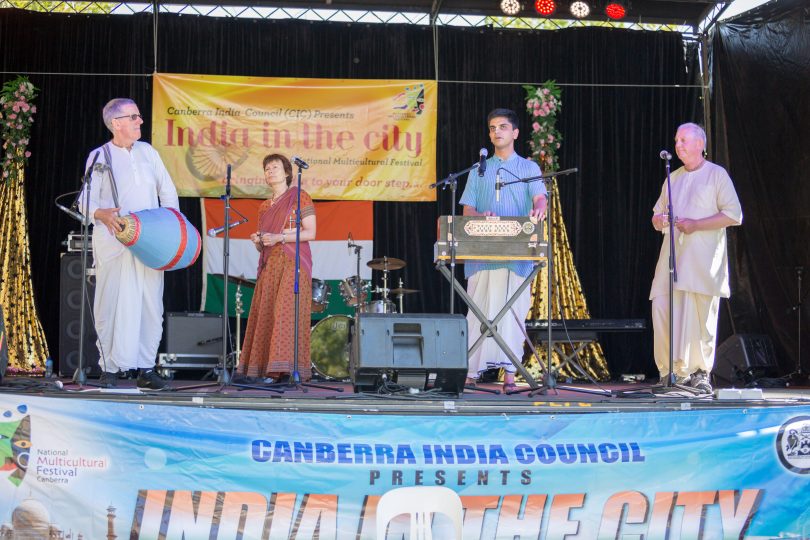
(15, 443)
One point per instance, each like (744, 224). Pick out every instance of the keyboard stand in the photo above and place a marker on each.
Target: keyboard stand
(491, 330)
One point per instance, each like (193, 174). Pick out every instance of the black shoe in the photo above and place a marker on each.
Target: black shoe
(148, 379)
(108, 379)
(245, 379)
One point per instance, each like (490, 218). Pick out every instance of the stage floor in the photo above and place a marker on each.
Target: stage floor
(487, 398)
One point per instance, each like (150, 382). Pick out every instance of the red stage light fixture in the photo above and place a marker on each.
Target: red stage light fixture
(545, 7)
(615, 10)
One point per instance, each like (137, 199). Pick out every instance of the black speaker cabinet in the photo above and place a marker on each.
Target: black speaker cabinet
(415, 351)
(70, 297)
(743, 358)
(193, 340)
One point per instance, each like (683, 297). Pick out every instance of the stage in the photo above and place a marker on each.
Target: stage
(230, 462)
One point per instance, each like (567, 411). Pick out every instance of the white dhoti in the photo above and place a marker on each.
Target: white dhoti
(694, 326)
(128, 310)
(490, 290)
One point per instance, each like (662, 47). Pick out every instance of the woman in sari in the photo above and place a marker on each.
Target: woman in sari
(269, 344)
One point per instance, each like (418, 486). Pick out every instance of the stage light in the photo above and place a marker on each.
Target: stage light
(616, 10)
(580, 9)
(545, 7)
(510, 7)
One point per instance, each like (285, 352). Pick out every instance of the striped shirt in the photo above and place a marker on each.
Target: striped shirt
(515, 200)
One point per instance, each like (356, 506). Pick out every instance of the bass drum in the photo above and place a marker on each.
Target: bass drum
(329, 347)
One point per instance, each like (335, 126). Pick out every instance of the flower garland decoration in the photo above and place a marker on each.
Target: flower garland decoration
(16, 117)
(543, 103)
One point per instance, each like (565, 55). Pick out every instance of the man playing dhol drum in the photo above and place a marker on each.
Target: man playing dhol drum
(128, 305)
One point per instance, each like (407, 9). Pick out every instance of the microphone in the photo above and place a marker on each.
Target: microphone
(300, 162)
(666, 156)
(216, 230)
(498, 185)
(72, 213)
(349, 244)
(482, 161)
(91, 167)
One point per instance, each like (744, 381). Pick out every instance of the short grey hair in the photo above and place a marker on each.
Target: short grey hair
(696, 129)
(113, 108)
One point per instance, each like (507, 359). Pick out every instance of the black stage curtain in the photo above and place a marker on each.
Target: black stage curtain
(761, 106)
(620, 110)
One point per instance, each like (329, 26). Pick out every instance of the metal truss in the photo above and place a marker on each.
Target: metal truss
(329, 15)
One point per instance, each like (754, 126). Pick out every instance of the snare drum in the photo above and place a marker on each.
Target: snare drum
(320, 295)
(379, 306)
(348, 290)
(329, 347)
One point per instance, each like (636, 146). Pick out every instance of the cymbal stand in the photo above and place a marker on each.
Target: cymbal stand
(400, 297)
(357, 282)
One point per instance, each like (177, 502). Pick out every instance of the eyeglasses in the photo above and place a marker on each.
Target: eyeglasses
(132, 117)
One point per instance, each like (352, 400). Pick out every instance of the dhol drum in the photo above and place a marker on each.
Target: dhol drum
(162, 238)
(320, 295)
(348, 290)
(379, 306)
(329, 347)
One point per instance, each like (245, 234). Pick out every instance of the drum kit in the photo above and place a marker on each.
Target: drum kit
(329, 338)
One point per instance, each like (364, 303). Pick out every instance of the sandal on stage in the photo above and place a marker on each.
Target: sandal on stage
(509, 387)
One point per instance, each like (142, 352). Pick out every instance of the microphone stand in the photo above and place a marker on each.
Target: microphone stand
(79, 376)
(295, 377)
(549, 380)
(223, 375)
(452, 181)
(668, 384)
(798, 378)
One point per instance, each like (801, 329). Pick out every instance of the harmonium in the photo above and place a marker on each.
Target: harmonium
(491, 238)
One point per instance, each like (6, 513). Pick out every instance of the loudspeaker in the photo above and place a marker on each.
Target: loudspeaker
(743, 358)
(70, 297)
(193, 340)
(409, 350)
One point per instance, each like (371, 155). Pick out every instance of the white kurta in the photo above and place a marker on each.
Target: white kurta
(128, 305)
(702, 269)
(490, 290)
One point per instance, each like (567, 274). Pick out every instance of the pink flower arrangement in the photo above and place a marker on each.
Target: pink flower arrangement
(16, 117)
(543, 103)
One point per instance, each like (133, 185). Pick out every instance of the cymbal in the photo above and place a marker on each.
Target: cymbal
(238, 280)
(400, 290)
(385, 264)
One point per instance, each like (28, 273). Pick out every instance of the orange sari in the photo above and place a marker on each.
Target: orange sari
(269, 345)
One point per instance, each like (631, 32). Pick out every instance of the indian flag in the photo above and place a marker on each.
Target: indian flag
(332, 260)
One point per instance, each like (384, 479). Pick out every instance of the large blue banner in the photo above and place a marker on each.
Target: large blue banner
(104, 469)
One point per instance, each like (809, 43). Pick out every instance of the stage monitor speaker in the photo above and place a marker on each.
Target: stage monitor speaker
(70, 297)
(193, 340)
(418, 351)
(742, 359)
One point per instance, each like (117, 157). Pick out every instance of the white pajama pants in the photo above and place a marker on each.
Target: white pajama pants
(694, 326)
(128, 310)
(490, 290)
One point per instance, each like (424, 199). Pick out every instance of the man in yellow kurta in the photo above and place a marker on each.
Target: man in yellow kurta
(704, 203)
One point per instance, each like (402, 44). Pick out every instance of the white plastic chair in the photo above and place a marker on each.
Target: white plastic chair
(420, 502)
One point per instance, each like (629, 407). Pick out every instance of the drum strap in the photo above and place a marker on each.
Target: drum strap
(113, 185)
